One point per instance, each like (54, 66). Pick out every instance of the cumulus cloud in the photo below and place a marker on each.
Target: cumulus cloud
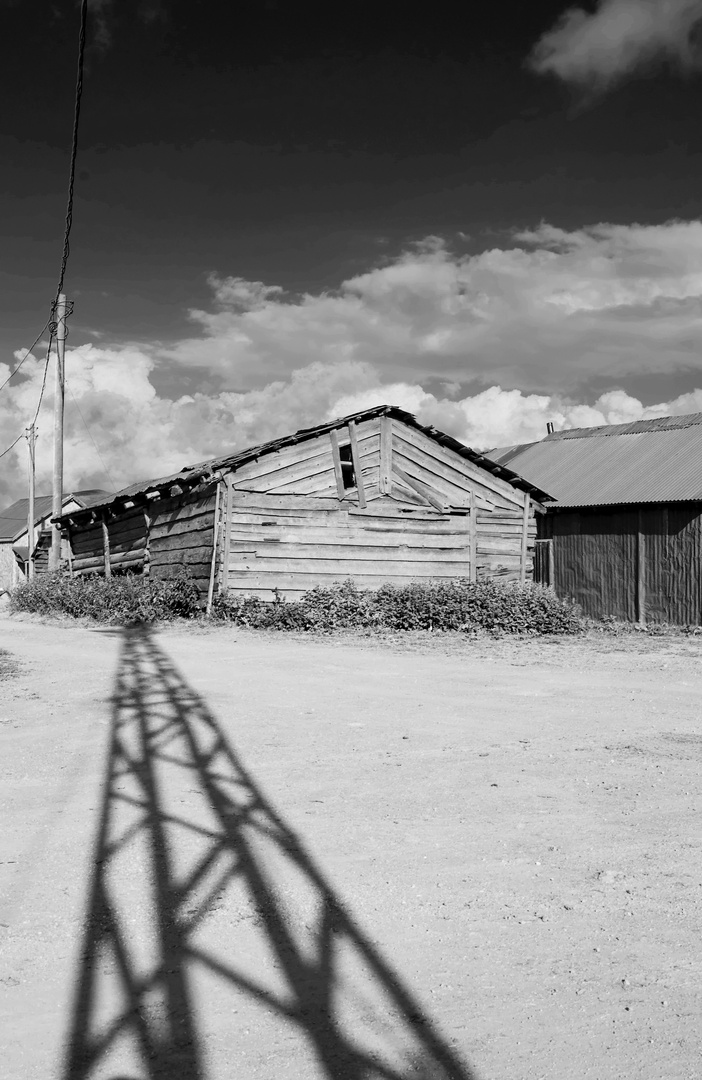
(595, 49)
(119, 429)
(538, 312)
(529, 326)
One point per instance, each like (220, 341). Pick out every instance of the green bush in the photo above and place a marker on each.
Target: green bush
(126, 598)
(450, 605)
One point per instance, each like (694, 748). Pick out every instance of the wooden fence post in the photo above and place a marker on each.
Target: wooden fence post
(473, 539)
(227, 532)
(215, 543)
(525, 538)
(106, 545)
(385, 480)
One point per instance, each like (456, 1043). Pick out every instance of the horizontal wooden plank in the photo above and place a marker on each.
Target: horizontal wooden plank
(494, 546)
(316, 552)
(181, 542)
(183, 525)
(164, 510)
(294, 503)
(185, 556)
(320, 484)
(450, 564)
(349, 538)
(472, 471)
(255, 581)
(493, 561)
(500, 514)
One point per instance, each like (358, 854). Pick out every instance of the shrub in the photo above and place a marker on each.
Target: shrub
(446, 605)
(127, 598)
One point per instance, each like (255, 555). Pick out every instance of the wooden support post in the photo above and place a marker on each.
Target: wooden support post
(215, 542)
(59, 392)
(525, 537)
(227, 532)
(338, 472)
(356, 458)
(473, 538)
(641, 573)
(385, 482)
(106, 544)
(551, 566)
(31, 439)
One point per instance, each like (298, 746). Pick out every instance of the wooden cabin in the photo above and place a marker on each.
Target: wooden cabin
(375, 497)
(624, 538)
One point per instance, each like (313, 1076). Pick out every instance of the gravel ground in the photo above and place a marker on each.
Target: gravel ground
(229, 853)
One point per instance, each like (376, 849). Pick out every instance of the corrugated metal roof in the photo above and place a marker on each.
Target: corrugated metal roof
(660, 423)
(650, 461)
(13, 520)
(193, 474)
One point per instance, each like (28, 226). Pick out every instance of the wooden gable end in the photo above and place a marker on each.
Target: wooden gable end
(423, 465)
(315, 467)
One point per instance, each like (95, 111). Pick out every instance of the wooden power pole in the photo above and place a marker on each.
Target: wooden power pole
(31, 439)
(60, 390)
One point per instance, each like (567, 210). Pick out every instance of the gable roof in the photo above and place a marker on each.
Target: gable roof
(13, 520)
(191, 475)
(646, 461)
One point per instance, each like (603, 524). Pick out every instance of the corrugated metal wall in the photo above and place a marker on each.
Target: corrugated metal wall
(596, 561)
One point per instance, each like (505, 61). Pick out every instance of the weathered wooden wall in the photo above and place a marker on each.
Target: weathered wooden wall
(127, 538)
(294, 518)
(292, 526)
(635, 564)
(181, 536)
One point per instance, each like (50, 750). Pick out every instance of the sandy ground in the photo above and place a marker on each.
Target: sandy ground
(228, 855)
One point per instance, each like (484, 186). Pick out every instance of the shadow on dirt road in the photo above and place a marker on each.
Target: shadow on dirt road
(164, 874)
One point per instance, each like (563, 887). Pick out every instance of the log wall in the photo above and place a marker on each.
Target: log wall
(181, 537)
(128, 536)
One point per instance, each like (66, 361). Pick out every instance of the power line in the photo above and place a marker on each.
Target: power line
(26, 355)
(12, 445)
(74, 149)
(51, 321)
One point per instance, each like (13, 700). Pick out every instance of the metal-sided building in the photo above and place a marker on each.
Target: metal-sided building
(624, 538)
(375, 497)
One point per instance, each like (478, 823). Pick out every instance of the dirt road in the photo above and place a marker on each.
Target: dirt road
(232, 855)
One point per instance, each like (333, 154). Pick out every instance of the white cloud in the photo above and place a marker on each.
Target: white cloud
(597, 48)
(531, 324)
(547, 310)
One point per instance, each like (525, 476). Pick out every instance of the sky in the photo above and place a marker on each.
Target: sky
(288, 211)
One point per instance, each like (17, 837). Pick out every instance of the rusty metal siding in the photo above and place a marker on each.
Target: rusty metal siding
(596, 561)
(673, 560)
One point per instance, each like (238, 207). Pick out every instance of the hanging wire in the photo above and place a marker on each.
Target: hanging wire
(12, 445)
(26, 356)
(74, 151)
(51, 323)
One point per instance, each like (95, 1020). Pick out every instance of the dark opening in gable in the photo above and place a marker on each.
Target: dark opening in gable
(347, 470)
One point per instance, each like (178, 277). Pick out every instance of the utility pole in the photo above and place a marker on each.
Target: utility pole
(57, 502)
(31, 439)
